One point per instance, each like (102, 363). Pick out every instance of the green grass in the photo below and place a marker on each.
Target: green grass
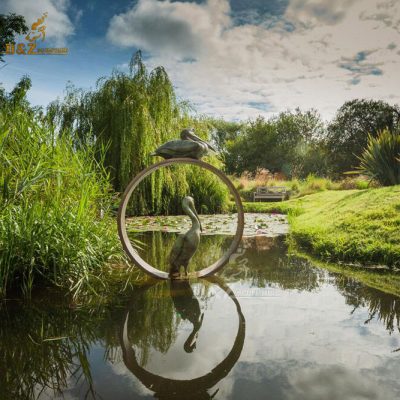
(352, 226)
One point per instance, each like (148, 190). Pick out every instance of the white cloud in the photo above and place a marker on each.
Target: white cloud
(312, 12)
(165, 27)
(58, 24)
(235, 68)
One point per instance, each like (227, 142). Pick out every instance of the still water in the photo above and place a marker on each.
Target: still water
(271, 326)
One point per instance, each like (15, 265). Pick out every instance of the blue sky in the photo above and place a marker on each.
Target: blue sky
(236, 59)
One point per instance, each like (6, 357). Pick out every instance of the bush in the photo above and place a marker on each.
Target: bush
(381, 158)
(359, 182)
(54, 208)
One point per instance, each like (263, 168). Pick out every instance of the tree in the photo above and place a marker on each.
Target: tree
(127, 117)
(223, 131)
(10, 26)
(282, 143)
(300, 135)
(17, 97)
(348, 132)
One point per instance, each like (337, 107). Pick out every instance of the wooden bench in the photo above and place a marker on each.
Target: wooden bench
(271, 193)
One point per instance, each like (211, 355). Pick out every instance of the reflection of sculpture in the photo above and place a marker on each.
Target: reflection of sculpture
(188, 307)
(186, 244)
(190, 146)
(195, 389)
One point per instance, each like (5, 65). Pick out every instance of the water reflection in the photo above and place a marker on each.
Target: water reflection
(188, 308)
(321, 331)
(382, 306)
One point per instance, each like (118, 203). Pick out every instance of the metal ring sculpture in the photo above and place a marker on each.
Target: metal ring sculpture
(134, 255)
(178, 388)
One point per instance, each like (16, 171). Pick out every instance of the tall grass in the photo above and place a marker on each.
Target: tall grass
(55, 226)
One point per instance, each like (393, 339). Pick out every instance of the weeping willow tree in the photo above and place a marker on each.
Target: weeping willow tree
(128, 116)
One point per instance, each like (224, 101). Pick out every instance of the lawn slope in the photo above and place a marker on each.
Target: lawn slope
(350, 225)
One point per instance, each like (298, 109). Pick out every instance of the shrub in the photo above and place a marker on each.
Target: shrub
(295, 186)
(361, 184)
(316, 184)
(381, 158)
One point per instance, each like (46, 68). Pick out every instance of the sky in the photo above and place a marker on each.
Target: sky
(234, 59)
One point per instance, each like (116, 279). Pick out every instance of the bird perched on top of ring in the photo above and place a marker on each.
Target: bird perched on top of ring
(189, 146)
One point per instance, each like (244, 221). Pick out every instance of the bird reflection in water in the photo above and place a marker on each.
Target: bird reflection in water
(183, 389)
(188, 308)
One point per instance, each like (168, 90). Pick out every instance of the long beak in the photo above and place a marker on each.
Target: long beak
(195, 138)
(197, 216)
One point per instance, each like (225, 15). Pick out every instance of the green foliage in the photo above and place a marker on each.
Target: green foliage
(353, 225)
(10, 26)
(381, 158)
(130, 115)
(55, 226)
(224, 132)
(354, 122)
(17, 97)
(288, 143)
(298, 144)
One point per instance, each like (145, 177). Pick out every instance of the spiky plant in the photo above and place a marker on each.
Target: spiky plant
(381, 158)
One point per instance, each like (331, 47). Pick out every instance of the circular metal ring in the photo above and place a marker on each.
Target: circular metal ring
(134, 255)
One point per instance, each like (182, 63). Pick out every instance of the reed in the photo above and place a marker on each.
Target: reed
(55, 199)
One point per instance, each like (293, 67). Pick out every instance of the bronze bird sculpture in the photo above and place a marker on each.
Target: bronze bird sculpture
(190, 146)
(186, 244)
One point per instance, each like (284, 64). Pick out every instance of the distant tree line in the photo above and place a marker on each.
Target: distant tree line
(299, 143)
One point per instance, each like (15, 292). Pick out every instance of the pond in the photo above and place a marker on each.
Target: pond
(271, 326)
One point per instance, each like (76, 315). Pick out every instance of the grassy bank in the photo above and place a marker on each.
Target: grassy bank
(352, 226)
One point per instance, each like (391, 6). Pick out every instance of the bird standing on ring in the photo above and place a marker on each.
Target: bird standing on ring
(186, 244)
(190, 146)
